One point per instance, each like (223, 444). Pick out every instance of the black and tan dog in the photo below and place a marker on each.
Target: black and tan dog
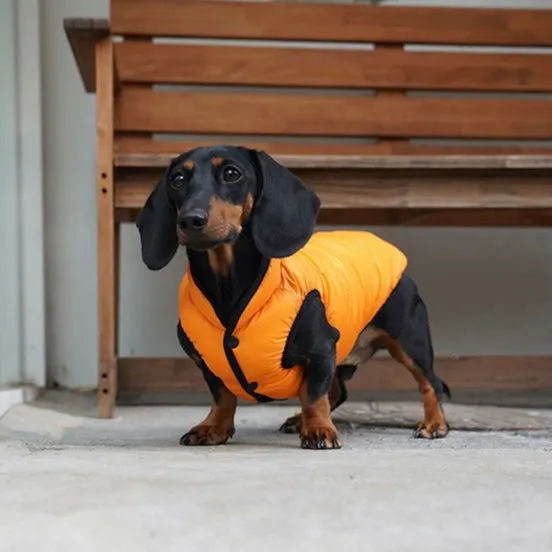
(271, 311)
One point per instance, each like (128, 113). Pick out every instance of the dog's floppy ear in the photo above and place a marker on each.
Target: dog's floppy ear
(156, 223)
(285, 212)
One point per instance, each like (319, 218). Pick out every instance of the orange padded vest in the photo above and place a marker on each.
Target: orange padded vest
(354, 272)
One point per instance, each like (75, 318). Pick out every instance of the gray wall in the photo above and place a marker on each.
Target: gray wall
(21, 220)
(489, 291)
(10, 352)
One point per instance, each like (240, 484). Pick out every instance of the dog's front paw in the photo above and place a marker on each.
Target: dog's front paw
(292, 424)
(207, 435)
(431, 429)
(320, 438)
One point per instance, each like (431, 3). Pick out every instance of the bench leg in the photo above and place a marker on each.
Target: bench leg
(108, 295)
(108, 232)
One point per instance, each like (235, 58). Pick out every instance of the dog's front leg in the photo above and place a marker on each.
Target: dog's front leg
(312, 345)
(337, 395)
(317, 428)
(218, 426)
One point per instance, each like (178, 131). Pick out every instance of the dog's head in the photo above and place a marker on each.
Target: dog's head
(207, 197)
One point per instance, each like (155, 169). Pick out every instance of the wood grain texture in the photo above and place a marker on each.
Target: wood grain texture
(476, 372)
(83, 34)
(138, 42)
(107, 233)
(319, 115)
(375, 161)
(391, 92)
(464, 218)
(337, 188)
(332, 22)
(295, 67)
(448, 217)
(137, 151)
(134, 150)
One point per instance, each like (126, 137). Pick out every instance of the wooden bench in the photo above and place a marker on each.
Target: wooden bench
(354, 117)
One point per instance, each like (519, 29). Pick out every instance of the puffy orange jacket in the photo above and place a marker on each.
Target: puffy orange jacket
(355, 272)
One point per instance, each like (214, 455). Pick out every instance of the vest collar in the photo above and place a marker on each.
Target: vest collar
(258, 297)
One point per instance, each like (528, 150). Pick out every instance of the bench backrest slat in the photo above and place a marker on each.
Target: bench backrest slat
(331, 22)
(332, 68)
(323, 115)
(258, 73)
(132, 150)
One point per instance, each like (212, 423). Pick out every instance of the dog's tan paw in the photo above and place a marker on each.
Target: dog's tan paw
(320, 438)
(207, 435)
(432, 429)
(292, 425)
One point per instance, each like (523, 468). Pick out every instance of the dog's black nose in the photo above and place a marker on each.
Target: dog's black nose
(193, 221)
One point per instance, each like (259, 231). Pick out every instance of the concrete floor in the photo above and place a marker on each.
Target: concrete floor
(70, 482)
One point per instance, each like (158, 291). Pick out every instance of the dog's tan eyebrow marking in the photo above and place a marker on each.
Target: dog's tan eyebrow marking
(217, 161)
(188, 165)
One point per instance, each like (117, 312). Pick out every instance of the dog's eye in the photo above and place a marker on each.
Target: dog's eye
(178, 180)
(231, 174)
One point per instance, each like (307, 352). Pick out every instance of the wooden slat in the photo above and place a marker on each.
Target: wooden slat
(424, 162)
(319, 115)
(133, 151)
(400, 188)
(130, 150)
(481, 373)
(83, 34)
(107, 234)
(387, 92)
(464, 218)
(223, 65)
(139, 42)
(505, 218)
(332, 22)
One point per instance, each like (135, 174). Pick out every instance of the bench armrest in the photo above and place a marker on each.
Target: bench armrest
(83, 34)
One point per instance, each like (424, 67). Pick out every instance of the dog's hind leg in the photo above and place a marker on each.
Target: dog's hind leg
(434, 423)
(403, 329)
(414, 350)
(417, 348)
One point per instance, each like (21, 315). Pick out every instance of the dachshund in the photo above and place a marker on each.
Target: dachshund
(238, 213)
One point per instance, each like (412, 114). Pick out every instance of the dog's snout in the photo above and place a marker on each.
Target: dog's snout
(193, 221)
